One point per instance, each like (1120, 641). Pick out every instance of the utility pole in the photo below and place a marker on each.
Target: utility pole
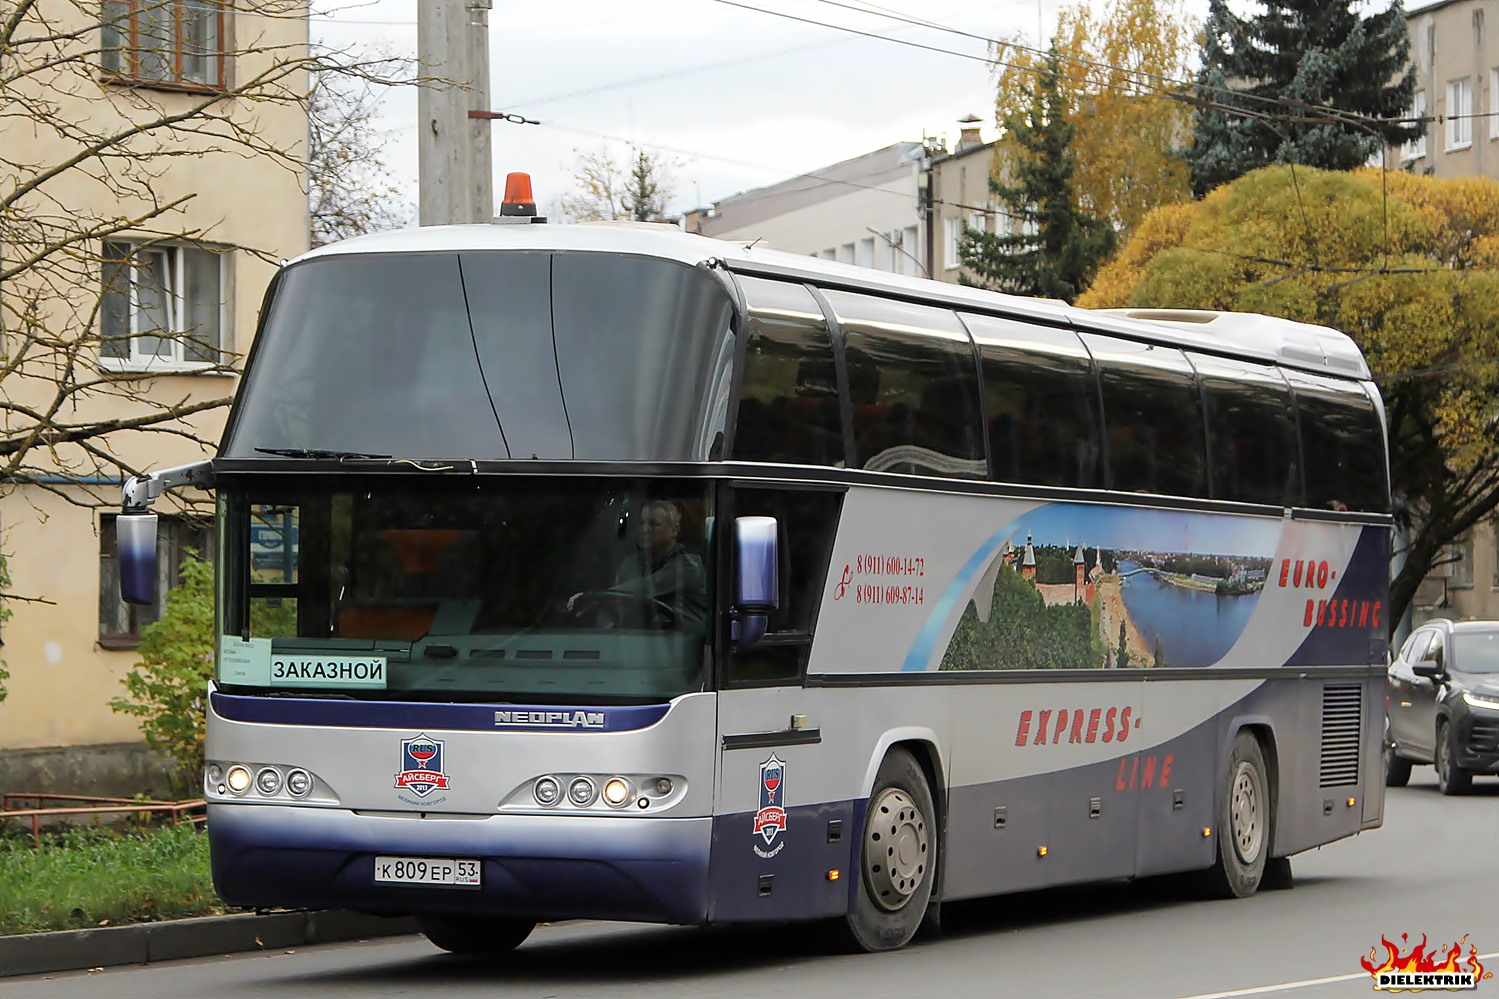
(453, 147)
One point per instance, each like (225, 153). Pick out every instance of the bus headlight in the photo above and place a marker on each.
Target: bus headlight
(547, 791)
(581, 792)
(298, 783)
(238, 779)
(616, 791)
(268, 781)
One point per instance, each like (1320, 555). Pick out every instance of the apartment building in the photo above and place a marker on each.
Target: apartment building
(1457, 85)
(165, 246)
(899, 209)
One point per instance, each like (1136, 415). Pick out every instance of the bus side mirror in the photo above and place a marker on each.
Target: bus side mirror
(135, 543)
(757, 578)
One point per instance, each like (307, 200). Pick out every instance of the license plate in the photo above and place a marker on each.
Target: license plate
(446, 872)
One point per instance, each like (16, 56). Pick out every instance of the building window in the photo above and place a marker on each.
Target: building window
(865, 256)
(120, 623)
(1462, 564)
(1494, 104)
(162, 306)
(1416, 148)
(171, 42)
(1460, 113)
(954, 243)
(911, 264)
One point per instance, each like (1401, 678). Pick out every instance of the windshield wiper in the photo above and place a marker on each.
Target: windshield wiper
(320, 454)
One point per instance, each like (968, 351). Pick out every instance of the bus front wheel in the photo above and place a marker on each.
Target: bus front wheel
(898, 857)
(1244, 818)
(475, 936)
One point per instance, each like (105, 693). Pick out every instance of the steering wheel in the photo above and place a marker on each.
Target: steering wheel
(601, 603)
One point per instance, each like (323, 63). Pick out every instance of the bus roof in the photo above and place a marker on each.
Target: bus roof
(1248, 335)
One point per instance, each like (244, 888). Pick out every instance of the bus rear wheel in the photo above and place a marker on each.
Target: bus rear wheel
(475, 936)
(898, 857)
(1244, 823)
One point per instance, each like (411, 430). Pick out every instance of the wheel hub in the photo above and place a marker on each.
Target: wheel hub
(896, 845)
(1245, 821)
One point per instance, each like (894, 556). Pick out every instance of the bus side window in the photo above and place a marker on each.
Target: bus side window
(1342, 444)
(1042, 405)
(788, 399)
(1253, 453)
(913, 387)
(808, 520)
(1152, 411)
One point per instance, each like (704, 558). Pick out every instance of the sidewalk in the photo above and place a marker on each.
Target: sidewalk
(142, 943)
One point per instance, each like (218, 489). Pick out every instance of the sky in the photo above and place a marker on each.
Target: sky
(732, 94)
(732, 98)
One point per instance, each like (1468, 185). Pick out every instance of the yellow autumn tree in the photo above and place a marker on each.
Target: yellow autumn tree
(1118, 63)
(1406, 265)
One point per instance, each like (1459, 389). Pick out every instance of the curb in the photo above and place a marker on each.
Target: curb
(143, 943)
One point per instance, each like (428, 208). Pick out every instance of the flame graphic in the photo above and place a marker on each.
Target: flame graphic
(1420, 960)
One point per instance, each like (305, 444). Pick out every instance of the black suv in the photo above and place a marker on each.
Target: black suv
(1442, 704)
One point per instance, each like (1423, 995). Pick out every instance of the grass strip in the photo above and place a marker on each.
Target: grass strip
(84, 878)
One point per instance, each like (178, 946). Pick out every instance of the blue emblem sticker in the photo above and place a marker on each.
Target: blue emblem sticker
(770, 819)
(421, 766)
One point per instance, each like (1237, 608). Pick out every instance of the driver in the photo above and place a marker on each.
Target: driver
(661, 571)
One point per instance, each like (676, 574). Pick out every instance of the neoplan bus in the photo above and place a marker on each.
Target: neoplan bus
(597, 572)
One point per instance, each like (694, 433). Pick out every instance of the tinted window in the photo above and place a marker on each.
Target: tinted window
(645, 352)
(372, 354)
(1342, 445)
(1042, 404)
(788, 402)
(1152, 414)
(1251, 425)
(512, 318)
(585, 355)
(913, 388)
(808, 521)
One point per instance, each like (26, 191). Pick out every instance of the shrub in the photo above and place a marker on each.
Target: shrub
(168, 688)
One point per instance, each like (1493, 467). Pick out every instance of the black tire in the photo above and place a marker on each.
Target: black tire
(475, 936)
(1397, 770)
(1278, 875)
(897, 858)
(1451, 778)
(1245, 818)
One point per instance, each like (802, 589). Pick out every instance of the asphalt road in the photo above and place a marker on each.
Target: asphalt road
(1433, 869)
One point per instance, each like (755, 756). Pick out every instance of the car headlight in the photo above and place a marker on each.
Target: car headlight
(238, 778)
(1479, 700)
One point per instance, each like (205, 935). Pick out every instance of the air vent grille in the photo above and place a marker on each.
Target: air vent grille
(1342, 721)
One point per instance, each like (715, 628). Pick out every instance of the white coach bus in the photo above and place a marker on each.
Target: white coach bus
(597, 572)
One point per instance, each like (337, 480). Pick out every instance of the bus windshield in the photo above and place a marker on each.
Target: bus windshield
(493, 590)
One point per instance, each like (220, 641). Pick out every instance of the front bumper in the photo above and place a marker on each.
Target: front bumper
(534, 866)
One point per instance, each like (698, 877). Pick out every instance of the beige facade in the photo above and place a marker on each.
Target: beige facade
(1457, 84)
(960, 200)
(194, 274)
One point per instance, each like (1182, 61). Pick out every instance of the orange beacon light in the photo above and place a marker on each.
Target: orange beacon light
(518, 200)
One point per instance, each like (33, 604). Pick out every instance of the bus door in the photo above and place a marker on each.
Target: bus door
(782, 821)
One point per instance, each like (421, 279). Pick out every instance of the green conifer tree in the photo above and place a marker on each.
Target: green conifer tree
(1303, 55)
(1053, 247)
